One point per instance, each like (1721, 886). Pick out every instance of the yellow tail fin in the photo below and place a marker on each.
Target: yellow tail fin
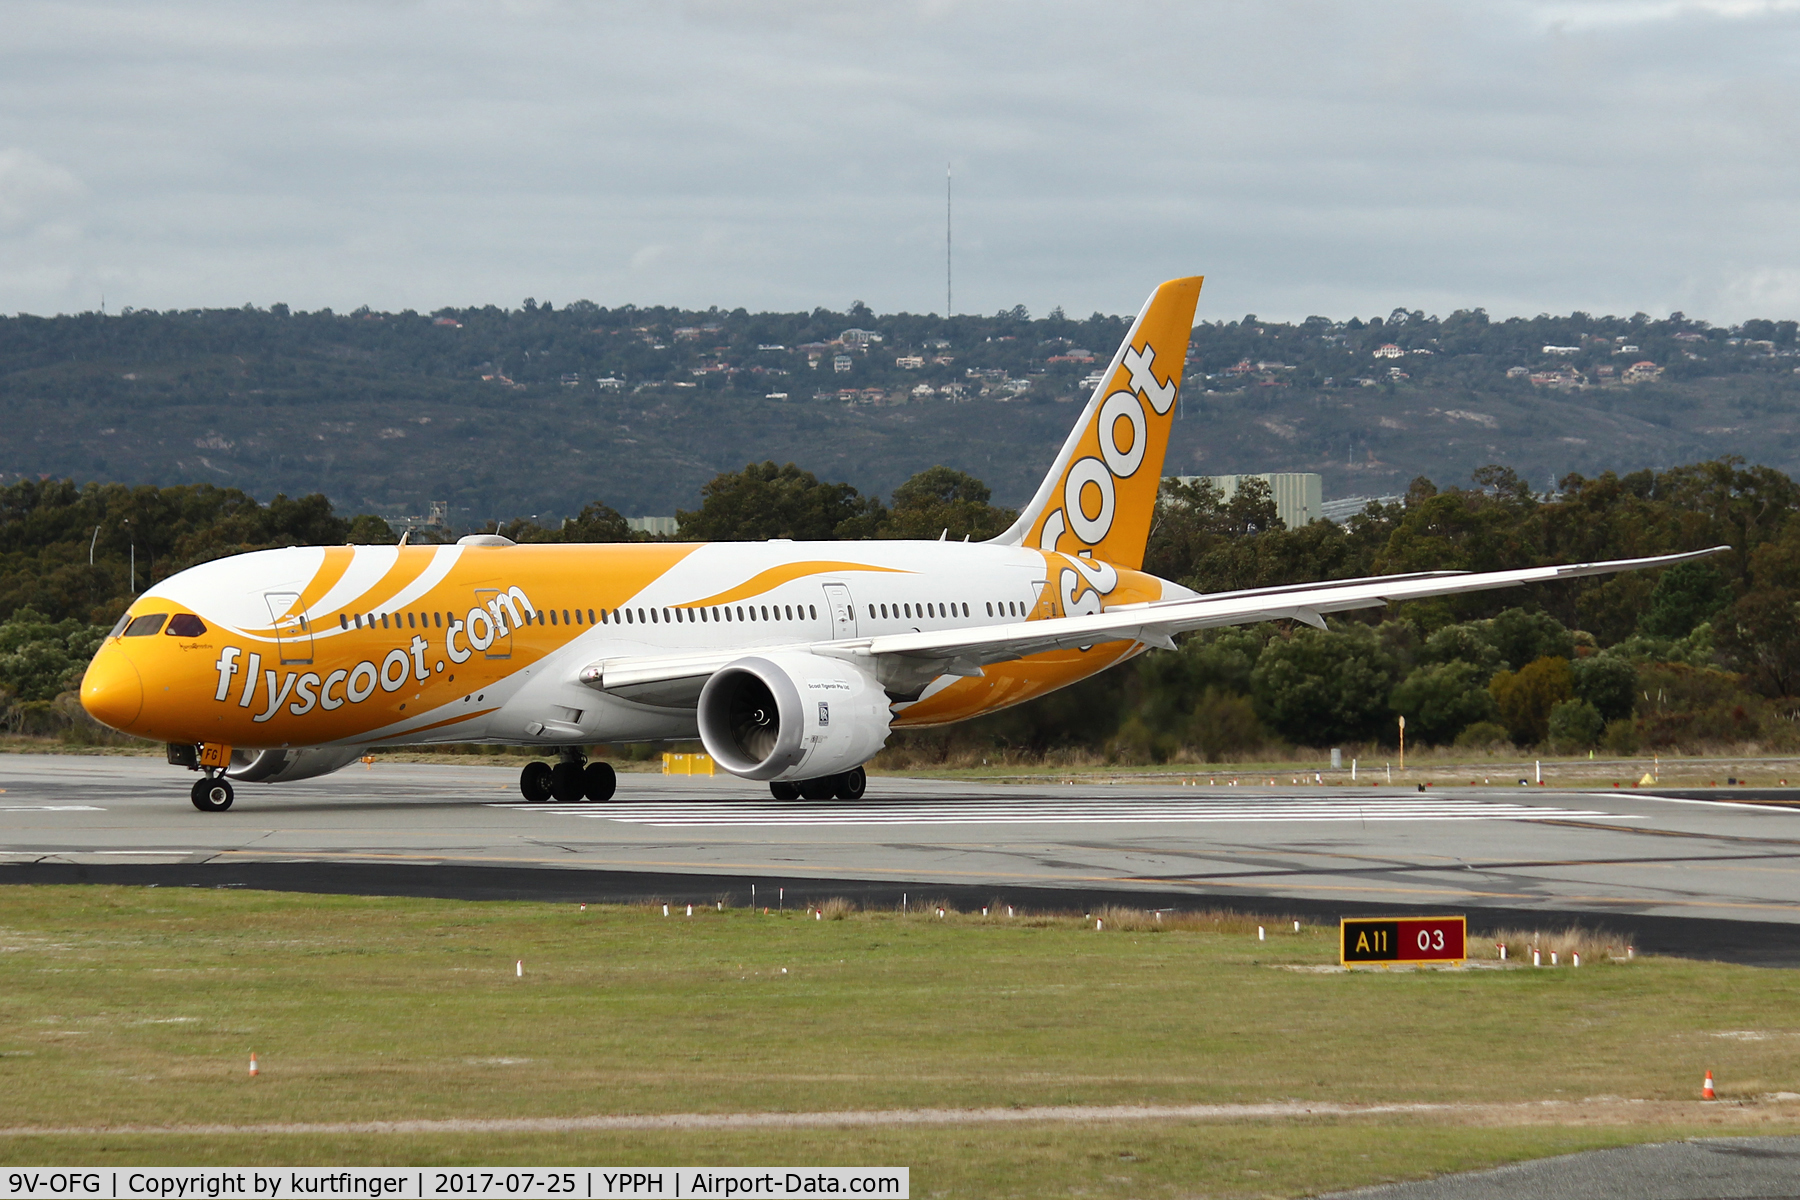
(1100, 495)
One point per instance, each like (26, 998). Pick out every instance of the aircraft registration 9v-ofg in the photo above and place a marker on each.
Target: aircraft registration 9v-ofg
(790, 661)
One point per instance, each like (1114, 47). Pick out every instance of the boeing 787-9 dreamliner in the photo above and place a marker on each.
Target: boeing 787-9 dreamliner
(790, 661)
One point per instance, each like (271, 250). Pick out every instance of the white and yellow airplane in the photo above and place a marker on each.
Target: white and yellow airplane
(790, 661)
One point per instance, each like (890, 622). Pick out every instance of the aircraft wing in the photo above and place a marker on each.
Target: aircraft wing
(677, 679)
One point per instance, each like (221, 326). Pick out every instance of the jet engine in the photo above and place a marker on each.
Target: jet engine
(790, 716)
(285, 766)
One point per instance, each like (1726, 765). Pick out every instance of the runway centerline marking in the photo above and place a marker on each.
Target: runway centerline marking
(716, 814)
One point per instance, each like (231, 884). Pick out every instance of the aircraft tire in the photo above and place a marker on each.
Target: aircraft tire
(212, 795)
(534, 782)
(566, 782)
(852, 783)
(784, 791)
(600, 781)
(822, 788)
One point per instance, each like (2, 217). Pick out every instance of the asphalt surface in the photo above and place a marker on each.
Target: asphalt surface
(1707, 1169)
(1703, 876)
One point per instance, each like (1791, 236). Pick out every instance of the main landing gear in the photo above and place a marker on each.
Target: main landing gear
(212, 794)
(848, 786)
(572, 778)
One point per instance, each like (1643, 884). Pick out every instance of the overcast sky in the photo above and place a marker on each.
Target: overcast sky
(1338, 159)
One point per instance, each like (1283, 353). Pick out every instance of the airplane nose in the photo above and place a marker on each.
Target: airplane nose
(112, 691)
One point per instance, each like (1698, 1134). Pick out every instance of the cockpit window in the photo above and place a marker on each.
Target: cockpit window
(185, 625)
(145, 625)
(120, 627)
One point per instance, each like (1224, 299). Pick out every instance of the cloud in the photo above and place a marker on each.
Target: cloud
(1307, 157)
(33, 190)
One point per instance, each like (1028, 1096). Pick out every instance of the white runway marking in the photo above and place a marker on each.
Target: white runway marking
(50, 808)
(1023, 812)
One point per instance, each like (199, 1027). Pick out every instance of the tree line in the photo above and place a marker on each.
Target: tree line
(1705, 653)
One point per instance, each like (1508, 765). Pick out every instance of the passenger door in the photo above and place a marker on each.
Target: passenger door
(293, 633)
(842, 610)
(501, 646)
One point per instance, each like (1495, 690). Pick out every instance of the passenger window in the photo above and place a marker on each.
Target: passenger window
(145, 625)
(578, 616)
(565, 613)
(766, 611)
(185, 625)
(790, 612)
(871, 612)
(343, 621)
(965, 608)
(552, 617)
(990, 608)
(628, 619)
(438, 619)
(384, 618)
(813, 612)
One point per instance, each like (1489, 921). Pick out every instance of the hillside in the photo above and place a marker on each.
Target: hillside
(508, 413)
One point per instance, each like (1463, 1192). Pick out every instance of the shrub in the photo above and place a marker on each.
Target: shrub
(1482, 735)
(1440, 701)
(1575, 725)
(1323, 688)
(1607, 682)
(1621, 736)
(1223, 724)
(1526, 696)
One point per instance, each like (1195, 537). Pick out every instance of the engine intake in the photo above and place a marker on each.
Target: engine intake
(777, 717)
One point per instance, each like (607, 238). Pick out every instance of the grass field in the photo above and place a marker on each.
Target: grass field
(133, 1007)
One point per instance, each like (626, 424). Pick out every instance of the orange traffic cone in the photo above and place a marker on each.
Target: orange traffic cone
(253, 1069)
(1706, 1089)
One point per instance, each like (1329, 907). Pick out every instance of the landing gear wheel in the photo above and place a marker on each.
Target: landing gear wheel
(822, 788)
(534, 782)
(599, 781)
(851, 784)
(212, 795)
(784, 791)
(566, 782)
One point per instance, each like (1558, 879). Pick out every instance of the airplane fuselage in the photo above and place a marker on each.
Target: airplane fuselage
(389, 646)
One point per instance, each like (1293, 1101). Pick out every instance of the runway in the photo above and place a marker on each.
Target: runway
(1701, 872)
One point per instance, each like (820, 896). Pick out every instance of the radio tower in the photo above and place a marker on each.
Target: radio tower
(949, 309)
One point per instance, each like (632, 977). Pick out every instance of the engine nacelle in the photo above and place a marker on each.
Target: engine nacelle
(285, 766)
(779, 716)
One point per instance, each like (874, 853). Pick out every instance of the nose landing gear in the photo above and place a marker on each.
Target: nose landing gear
(212, 794)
